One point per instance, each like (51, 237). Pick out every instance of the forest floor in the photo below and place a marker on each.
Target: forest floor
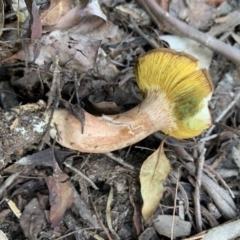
(80, 55)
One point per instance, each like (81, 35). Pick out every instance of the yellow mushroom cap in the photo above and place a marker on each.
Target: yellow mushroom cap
(186, 87)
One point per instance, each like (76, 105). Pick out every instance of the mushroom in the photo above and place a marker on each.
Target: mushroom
(176, 94)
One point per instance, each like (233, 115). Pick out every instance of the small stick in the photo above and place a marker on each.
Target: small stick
(175, 205)
(81, 175)
(121, 161)
(76, 231)
(217, 161)
(100, 221)
(135, 27)
(220, 179)
(197, 191)
(230, 129)
(224, 112)
(208, 138)
(183, 192)
(108, 214)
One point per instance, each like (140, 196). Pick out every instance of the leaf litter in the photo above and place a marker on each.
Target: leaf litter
(98, 38)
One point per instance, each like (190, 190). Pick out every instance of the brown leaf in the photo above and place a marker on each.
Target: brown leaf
(52, 14)
(33, 220)
(78, 14)
(44, 158)
(61, 194)
(153, 173)
(28, 189)
(77, 47)
(37, 24)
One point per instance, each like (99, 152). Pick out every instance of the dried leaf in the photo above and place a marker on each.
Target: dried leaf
(52, 14)
(198, 14)
(61, 195)
(163, 225)
(77, 47)
(153, 173)
(226, 25)
(28, 189)
(78, 14)
(3, 236)
(37, 24)
(44, 158)
(33, 220)
(187, 45)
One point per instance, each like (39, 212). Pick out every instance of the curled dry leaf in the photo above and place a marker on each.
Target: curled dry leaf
(36, 28)
(75, 38)
(56, 9)
(153, 173)
(33, 220)
(61, 195)
(78, 14)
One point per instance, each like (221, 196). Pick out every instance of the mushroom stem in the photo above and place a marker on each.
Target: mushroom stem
(112, 132)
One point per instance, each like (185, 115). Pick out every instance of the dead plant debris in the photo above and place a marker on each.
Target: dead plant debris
(80, 55)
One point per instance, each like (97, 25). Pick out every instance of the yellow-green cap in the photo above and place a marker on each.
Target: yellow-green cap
(186, 87)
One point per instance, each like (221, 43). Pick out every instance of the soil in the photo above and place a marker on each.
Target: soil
(105, 198)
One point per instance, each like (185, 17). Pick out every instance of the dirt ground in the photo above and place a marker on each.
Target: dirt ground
(80, 55)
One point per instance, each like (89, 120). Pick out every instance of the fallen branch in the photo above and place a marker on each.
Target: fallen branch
(175, 26)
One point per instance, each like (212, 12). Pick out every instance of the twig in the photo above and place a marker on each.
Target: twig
(73, 232)
(136, 208)
(197, 236)
(175, 180)
(175, 204)
(108, 214)
(197, 191)
(175, 142)
(121, 161)
(220, 196)
(11, 179)
(228, 230)
(220, 179)
(81, 174)
(208, 138)
(175, 26)
(224, 112)
(217, 160)
(230, 129)
(84, 211)
(209, 216)
(100, 221)
(135, 27)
